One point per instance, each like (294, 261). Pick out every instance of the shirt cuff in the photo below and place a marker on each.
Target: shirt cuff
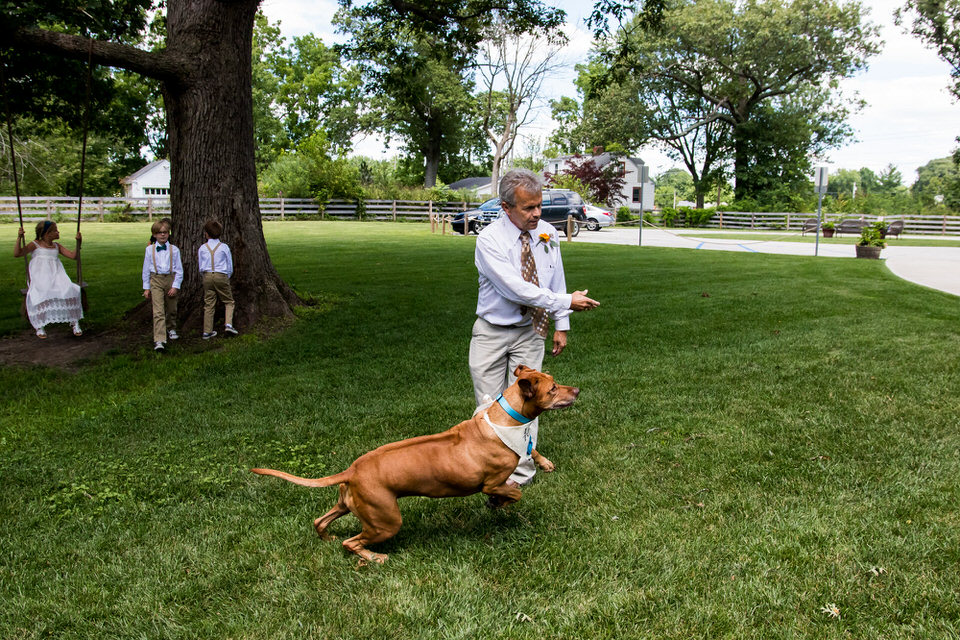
(564, 299)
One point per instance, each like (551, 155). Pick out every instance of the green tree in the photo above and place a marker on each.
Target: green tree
(845, 182)
(890, 180)
(742, 62)
(673, 185)
(635, 109)
(418, 73)
(299, 89)
(938, 183)
(417, 91)
(512, 68)
(566, 138)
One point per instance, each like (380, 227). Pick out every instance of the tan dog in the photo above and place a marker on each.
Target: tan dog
(461, 461)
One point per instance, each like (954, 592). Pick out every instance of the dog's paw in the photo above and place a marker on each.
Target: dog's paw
(378, 558)
(545, 465)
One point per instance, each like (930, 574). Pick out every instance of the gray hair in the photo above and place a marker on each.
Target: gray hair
(519, 178)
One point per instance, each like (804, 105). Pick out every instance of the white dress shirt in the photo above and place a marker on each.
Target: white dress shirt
(162, 262)
(503, 292)
(222, 258)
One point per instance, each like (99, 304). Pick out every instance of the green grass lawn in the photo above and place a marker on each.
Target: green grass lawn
(758, 438)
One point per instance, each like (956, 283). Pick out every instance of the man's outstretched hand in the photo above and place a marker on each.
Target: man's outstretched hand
(580, 301)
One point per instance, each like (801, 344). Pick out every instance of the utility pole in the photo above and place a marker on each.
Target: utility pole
(820, 178)
(644, 177)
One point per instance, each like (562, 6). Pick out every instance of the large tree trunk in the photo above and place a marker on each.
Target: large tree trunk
(741, 161)
(206, 74)
(431, 168)
(212, 170)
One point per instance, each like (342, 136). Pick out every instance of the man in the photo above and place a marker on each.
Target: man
(512, 305)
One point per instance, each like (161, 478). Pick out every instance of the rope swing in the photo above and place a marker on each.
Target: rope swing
(22, 242)
(83, 163)
(13, 165)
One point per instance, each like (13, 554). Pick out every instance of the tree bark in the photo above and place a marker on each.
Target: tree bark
(502, 144)
(212, 164)
(206, 75)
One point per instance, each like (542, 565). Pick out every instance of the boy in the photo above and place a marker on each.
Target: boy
(216, 265)
(162, 276)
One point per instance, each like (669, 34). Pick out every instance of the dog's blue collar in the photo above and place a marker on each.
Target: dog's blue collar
(516, 415)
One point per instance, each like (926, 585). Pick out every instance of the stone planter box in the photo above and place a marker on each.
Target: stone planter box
(868, 252)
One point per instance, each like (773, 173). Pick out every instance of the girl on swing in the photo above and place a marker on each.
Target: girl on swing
(51, 295)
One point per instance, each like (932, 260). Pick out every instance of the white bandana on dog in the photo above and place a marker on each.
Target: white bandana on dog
(517, 438)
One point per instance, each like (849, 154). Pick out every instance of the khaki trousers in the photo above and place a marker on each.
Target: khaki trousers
(164, 307)
(494, 354)
(216, 285)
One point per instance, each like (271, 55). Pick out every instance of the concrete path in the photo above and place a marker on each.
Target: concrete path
(934, 267)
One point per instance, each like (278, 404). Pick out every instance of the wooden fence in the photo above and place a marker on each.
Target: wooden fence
(127, 209)
(918, 224)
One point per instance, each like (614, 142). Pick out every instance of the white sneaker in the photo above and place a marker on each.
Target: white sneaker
(158, 346)
(207, 336)
(229, 330)
(172, 334)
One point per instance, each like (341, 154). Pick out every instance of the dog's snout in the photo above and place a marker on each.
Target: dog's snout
(575, 391)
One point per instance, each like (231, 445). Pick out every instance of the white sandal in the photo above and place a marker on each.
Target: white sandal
(41, 333)
(76, 329)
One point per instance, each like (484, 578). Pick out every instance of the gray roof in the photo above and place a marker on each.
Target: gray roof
(143, 170)
(470, 183)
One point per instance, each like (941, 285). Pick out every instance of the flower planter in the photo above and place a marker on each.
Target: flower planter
(868, 252)
(828, 233)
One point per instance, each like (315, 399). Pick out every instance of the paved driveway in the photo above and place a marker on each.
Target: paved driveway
(934, 267)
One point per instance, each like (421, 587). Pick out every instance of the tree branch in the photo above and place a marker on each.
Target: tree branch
(154, 64)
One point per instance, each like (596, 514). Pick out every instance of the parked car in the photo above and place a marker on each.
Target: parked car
(557, 205)
(597, 218)
(478, 218)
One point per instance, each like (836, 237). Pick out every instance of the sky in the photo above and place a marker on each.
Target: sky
(910, 117)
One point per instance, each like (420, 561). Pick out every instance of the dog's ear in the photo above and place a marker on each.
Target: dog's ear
(520, 368)
(526, 387)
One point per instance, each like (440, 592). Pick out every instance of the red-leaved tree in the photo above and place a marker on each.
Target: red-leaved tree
(603, 185)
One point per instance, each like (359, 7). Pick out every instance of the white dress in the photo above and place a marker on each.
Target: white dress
(52, 296)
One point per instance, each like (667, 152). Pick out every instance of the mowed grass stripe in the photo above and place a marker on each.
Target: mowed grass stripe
(758, 437)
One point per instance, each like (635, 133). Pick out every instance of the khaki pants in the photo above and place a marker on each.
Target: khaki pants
(164, 307)
(494, 353)
(216, 285)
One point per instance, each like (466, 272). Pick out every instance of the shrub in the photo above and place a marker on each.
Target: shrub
(696, 217)
(870, 237)
(669, 216)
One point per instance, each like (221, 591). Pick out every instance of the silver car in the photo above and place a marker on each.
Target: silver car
(597, 218)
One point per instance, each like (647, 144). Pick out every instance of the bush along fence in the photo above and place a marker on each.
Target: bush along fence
(147, 209)
(919, 224)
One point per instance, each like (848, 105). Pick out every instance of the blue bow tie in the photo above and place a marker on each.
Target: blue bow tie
(161, 247)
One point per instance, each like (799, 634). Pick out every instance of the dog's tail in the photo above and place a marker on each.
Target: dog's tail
(329, 481)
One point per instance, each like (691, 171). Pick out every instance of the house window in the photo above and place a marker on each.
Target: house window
(556, 168)
(636, 194)
(156, 191)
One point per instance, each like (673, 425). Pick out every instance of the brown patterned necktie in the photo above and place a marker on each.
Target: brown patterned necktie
(528, 269)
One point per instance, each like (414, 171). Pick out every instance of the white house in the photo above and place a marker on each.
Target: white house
(152, 180)
(630, 169)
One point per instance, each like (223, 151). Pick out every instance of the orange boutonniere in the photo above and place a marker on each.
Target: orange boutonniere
(547, 241)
